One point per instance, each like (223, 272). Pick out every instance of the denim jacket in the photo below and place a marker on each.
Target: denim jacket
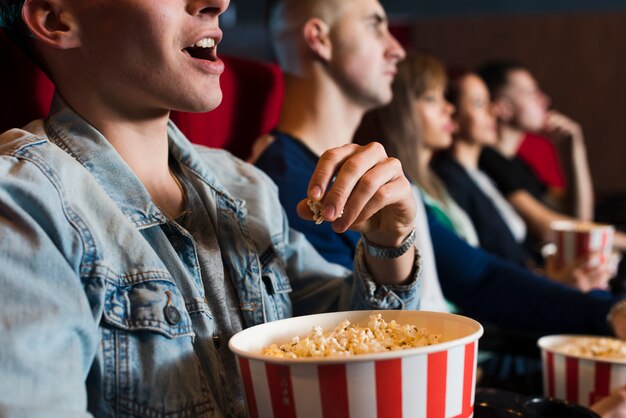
(98, 312)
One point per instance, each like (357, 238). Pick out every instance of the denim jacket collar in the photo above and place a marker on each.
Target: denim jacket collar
(91, 149)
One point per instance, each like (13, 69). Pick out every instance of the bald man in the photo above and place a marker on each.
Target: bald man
(339, 60)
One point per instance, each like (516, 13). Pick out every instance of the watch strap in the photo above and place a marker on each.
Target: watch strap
(389, 252)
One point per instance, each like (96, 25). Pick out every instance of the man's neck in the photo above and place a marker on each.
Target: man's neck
(510, 139)
(142, 142)
(318, 114)
(466, 153)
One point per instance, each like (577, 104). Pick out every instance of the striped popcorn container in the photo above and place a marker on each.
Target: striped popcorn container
(574, 240)
(578, 379)
(434, 381)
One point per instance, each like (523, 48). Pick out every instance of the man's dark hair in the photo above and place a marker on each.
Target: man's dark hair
(495, 74)
(11, 17)
(15, 29)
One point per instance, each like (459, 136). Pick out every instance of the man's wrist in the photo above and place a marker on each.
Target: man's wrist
(388, 237)
(379, 251)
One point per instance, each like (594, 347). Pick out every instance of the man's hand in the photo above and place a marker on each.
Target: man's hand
(559, 127)
(370, 193)
(360, 188)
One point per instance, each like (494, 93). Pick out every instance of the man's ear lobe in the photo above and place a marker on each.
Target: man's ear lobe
(315, 32)
(50, 22)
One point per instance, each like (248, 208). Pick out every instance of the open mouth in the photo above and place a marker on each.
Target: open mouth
(204, 49)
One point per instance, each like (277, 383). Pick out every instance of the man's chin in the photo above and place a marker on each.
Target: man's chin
(376, 102)
(202, 105)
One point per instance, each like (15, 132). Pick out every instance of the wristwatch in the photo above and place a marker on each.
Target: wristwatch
(389, 252)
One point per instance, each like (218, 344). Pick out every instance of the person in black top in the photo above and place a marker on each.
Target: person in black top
(500, 230)
(493, 233)
(548, 143)
(510, 174)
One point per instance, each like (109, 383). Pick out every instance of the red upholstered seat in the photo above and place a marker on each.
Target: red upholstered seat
(253, 93)
(25, 90)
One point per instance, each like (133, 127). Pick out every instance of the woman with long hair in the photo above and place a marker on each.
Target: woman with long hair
(416, 125)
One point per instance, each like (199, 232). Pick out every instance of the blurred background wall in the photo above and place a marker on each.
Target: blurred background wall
(576, 48)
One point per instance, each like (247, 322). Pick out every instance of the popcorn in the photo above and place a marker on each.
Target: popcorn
(316, 208)
(608, 348)
(347, 340)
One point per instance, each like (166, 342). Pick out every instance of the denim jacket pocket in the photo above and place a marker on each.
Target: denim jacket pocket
(150, 367)
(148, 305)
(276, 284)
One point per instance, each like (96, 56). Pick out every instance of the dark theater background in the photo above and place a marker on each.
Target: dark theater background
(576, 48)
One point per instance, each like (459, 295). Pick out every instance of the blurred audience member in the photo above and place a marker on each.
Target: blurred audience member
(429, 130)
(519, 103)
(500, 229)
(547, 144)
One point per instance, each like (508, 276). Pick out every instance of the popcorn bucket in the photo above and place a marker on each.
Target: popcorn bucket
(578, 378)
(435, 381)
(575, 240)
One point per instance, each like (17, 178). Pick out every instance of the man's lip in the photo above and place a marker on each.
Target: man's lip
(214, 66)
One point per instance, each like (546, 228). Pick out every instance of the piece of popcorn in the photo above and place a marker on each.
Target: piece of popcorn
(316, 208)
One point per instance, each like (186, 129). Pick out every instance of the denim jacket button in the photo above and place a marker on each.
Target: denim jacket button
(172, 315)
(217, 341)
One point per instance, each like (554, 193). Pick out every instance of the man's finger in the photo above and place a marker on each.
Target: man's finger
(354, 170)
(367, 188)
(328, 164)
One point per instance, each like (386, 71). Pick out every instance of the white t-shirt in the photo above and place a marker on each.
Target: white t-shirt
(432, 297)
(511, 218)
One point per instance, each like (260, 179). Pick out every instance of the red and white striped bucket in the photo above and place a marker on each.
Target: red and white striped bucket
(436, 381)
(575, 240)
(578, 379)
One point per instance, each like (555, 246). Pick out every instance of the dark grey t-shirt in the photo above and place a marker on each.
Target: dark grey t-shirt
(200, 220)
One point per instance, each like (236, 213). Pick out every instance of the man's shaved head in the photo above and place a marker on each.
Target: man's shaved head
(285, 19)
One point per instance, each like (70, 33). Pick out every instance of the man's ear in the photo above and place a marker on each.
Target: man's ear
(315, 32)
(51, 23)
(503, 109)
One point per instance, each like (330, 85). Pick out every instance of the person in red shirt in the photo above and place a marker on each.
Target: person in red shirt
(551, 144)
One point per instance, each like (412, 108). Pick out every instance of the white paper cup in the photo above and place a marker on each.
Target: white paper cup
(578, 379)
(432, 381)
(575, 240)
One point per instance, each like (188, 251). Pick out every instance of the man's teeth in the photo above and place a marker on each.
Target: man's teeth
(204, 43)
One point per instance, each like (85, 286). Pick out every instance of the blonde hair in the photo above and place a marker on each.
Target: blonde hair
(395, 125)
